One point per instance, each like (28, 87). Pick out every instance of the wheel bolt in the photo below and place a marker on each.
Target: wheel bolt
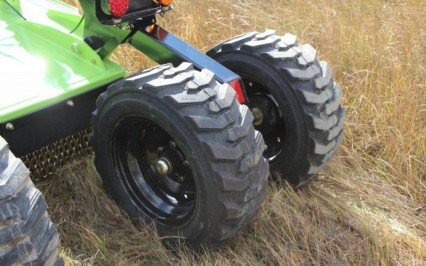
(10, 126)
(172, 144)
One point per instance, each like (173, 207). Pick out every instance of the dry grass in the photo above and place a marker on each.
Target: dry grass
(368, 207)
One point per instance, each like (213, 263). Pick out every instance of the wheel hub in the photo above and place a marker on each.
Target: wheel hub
(268, 118)
(163, 166)
(157, 175)
(171, 162)
(266, 113)
(258, 116)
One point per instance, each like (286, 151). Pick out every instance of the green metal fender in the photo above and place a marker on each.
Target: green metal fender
(41, 62)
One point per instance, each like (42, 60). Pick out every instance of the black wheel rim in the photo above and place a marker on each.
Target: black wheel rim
(269, 118)
(138, 147)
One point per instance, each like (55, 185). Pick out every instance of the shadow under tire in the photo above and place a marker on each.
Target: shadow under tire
(175, 148)
(27, 236)
(293, 97)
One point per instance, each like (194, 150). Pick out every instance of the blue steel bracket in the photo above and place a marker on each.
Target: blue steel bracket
(164, 47)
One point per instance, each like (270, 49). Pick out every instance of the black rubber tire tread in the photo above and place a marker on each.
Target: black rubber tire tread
(27, 236)
(318, 116)
(232, 182)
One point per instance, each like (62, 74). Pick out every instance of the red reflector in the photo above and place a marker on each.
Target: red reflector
(236, 85)
(118, 7)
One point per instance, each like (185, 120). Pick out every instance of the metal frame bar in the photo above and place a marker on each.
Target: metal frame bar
(153, 42)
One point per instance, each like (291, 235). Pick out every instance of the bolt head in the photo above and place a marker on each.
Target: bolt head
(172, 144)
(70, 103)
(10, 126)
(74, 48)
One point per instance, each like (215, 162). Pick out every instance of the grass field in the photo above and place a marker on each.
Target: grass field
(368, 207)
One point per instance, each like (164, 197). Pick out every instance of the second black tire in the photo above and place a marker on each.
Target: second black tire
(27, 236)
(293, 97)
(175, 148)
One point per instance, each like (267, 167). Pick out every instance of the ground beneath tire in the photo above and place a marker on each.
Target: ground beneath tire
(334, 220)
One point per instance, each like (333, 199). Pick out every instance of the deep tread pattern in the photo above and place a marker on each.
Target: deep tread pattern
(237, 42)
(224, 153)
(240, 130)
(224, 99)
(323, 81)
(265, 34)
(277, 55)
(335, 131)
(314, 98)
(323, 124)
(287, 41)
(224, 130)
(27, 236)
(308, 56)
(251, 160)
(204, 123)
(252, 46)
(303, 74)
(333, 150)
(311, 82)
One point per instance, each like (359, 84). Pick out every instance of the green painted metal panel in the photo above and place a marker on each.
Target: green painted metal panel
(41, 63)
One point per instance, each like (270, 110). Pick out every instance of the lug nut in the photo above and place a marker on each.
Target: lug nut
(10, 126)
(172, 144)
(70, 103)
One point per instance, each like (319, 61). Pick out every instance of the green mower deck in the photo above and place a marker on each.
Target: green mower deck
(47, 64)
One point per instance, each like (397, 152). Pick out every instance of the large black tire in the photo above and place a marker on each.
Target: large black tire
(293, 97)
(175, 148)
(27, 236)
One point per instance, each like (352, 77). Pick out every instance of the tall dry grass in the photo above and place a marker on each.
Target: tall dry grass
(368, 207)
